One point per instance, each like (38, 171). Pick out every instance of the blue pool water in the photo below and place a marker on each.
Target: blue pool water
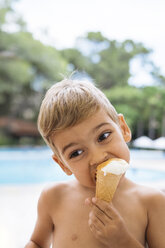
(35, 165)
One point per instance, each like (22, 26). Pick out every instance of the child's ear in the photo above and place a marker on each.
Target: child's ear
(124, 128)
(63, 167)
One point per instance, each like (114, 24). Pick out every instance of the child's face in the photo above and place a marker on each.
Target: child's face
(84, 146)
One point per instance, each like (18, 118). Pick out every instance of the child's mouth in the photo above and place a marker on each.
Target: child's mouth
(95, 177)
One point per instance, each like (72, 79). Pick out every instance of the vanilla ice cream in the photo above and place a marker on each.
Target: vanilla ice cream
(109, 174)
(117, 167)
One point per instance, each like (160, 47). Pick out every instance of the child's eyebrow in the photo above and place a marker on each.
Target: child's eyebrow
(99, 126)
(93, 130)
(68, 146)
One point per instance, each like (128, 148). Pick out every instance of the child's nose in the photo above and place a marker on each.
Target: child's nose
(97, 157)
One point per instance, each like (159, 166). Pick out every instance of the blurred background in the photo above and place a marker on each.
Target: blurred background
(119, 45)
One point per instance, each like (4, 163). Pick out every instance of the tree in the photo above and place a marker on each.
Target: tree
(27, 67)
(128, 101)
(107, 61)
(143, 108)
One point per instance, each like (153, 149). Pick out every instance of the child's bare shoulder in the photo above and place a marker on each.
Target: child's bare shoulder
(56, 189)
(53, 193)
(153, 202)
(153, 198)
(150, 196)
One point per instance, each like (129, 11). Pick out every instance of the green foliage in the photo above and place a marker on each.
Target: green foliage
(107, 61)
(140, 106)
(75, 58)
(96, 37)
(112, 68)
(17, 71)
(28, 68)
(5, 140)
(126, 100)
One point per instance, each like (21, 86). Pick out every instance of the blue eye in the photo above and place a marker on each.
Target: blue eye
(76, 153)
(103, 136)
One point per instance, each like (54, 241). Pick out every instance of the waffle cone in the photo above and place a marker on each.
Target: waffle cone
(106, 185)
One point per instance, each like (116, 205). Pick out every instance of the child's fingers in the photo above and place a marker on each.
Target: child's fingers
(106, 208)
(95, 229)
(98, 213)
(88, 202)
(93, 220)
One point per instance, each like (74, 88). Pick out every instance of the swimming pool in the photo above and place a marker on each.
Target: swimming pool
(34, 165)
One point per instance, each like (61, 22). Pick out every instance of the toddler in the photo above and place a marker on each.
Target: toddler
(83, 130)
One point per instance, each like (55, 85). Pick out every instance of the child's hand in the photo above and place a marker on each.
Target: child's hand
(106, 224)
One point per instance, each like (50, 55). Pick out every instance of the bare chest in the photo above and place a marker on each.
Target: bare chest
(72, 230)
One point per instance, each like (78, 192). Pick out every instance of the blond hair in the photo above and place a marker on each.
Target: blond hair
(68, 103)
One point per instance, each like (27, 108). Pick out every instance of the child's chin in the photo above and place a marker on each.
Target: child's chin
(92, 185)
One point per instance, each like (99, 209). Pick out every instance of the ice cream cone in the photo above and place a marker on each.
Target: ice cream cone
(106, 183)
